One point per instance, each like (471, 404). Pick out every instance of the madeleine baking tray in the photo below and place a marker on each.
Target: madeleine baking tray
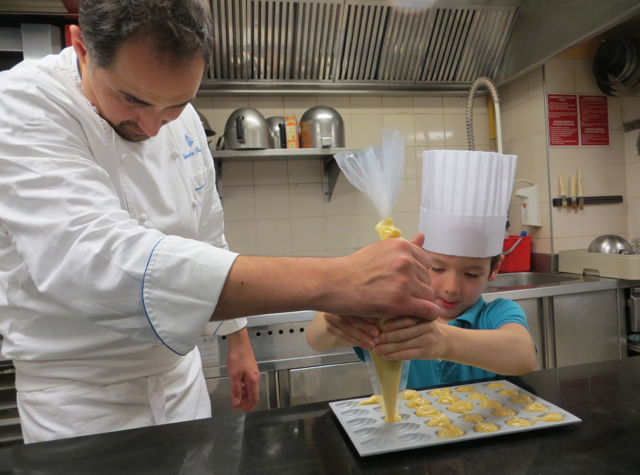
(371, 435)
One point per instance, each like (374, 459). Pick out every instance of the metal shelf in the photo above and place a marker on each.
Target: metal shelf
(330, 169)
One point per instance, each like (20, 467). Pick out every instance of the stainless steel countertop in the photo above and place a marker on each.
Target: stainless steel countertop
(579, 284)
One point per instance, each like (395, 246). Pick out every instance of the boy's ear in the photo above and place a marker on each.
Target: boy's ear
(494, 271)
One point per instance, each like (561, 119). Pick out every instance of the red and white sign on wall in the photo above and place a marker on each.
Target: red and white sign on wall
(563, 120)
(594, 120)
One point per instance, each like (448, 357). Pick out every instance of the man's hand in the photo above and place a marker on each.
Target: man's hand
(243, 371)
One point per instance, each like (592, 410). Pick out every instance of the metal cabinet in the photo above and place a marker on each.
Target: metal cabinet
(220, 393)
(533, 311)
(587, 327)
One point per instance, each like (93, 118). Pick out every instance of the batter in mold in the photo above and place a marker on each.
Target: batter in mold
(488, 404)
(475, 418)
(485, 427)
(409, 394)
(450, 431)
(417, 402)
(552, 417)
(438, 420)
(508, 392)
(518, 422)
(521, 399)
(426, 411)
(461, 407)
(465, 389)
(372, 400)
(440, 392)
(450, 399)
(535, 407)
(476, 396)
(503, 412)
(496, 385)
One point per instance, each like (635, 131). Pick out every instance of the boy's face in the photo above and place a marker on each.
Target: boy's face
(458, 282)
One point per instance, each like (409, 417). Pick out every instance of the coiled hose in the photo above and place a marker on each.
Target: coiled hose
(496, 101)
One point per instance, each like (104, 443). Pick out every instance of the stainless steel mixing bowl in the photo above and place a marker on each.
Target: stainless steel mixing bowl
(610, 244)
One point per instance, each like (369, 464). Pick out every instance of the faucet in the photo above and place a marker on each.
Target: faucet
(496, 103)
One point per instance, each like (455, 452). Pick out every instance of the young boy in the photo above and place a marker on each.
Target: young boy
(471, 339)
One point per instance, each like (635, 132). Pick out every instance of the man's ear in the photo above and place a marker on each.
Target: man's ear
(494, 271)
(78, 44)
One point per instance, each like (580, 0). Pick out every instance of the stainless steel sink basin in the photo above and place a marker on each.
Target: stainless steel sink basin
(529, 279)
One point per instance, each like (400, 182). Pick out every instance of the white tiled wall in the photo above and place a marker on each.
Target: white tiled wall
(276, 208)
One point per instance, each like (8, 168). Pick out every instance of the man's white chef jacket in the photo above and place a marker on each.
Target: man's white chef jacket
(112, 253)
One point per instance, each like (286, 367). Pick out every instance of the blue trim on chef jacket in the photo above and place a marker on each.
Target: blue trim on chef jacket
(201, 187)
(144, 306)
(482, 316)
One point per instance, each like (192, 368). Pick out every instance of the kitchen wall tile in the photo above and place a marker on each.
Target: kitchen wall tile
(366, 105)
(348, 139)
(242, 236)
(218, 124)
(518, 90)
(633, 180)
(615, 112)
(520, 120)
(503, 94)
(341, 232)
(367, 229)
(630, 109)
(480, 130)
(341, 103)
(536, 82)
(586, 240)
(560, 76)
(407, 223)
(618, 214)
(298, 105)
(634, 216)
(539, 149)
(270, 173)
(542, 246)
(272, 202)
(505, 119)
(545, 230)
(590, 156)
(522, 148)
(596, 220)
(585, 81)
(616, 147)
(410, 170)
(538, 117)
(407, 197)
(366, 130)
(618, 180)
(237, 174)
(595, 181)
(427, 105)
(239, 203)
(274, 237)
(397, 104)
(566, 222)
(304, 171)
(225, 105)
(268, 106)
(455, 105)
(630, 140)
(429, 130)
(205, 106)
(403, 123)
(308, 234)
(343, 200)
(567, 244)
(564, 156)
(455, 131)
(305, 200)
(541, 177)
(479, 105)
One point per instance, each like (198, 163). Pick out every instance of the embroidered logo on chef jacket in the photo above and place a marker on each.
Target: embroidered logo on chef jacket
(192, 151)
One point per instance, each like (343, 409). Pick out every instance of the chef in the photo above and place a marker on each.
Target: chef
(112, 253)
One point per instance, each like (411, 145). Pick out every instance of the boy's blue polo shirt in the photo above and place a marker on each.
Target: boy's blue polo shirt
(482, 316)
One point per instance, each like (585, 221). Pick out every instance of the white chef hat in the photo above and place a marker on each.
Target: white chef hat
(465, 199)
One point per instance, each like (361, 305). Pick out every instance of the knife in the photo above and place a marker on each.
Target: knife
(574, 201)
(564, 194)
(580, 196)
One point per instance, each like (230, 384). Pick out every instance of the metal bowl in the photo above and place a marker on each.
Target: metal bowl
(610, 244)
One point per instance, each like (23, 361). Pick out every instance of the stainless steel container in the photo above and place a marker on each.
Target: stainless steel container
(321, 127)
(277, 131)
(610, 244)
(246, 129)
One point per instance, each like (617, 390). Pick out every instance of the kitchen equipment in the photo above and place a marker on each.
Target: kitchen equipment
(530, 203)
(370, 435)
(610, 244)
(564, 194)
(580, 194)
(517, 252)
(616, 66)
(246, 129)
(277, 131)
(574, 201)
(322, 127)
(291, 126)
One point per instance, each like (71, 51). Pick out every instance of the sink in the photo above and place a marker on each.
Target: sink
(529, 279)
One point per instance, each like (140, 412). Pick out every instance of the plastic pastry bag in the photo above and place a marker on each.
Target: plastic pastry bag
(377, 172)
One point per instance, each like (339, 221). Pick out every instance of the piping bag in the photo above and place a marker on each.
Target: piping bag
(377, 172)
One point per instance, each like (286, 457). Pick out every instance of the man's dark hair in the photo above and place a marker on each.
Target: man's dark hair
(178, 30)
(495, 260)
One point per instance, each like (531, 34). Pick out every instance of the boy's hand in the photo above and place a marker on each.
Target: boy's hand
(357, 330)
(409, 338)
